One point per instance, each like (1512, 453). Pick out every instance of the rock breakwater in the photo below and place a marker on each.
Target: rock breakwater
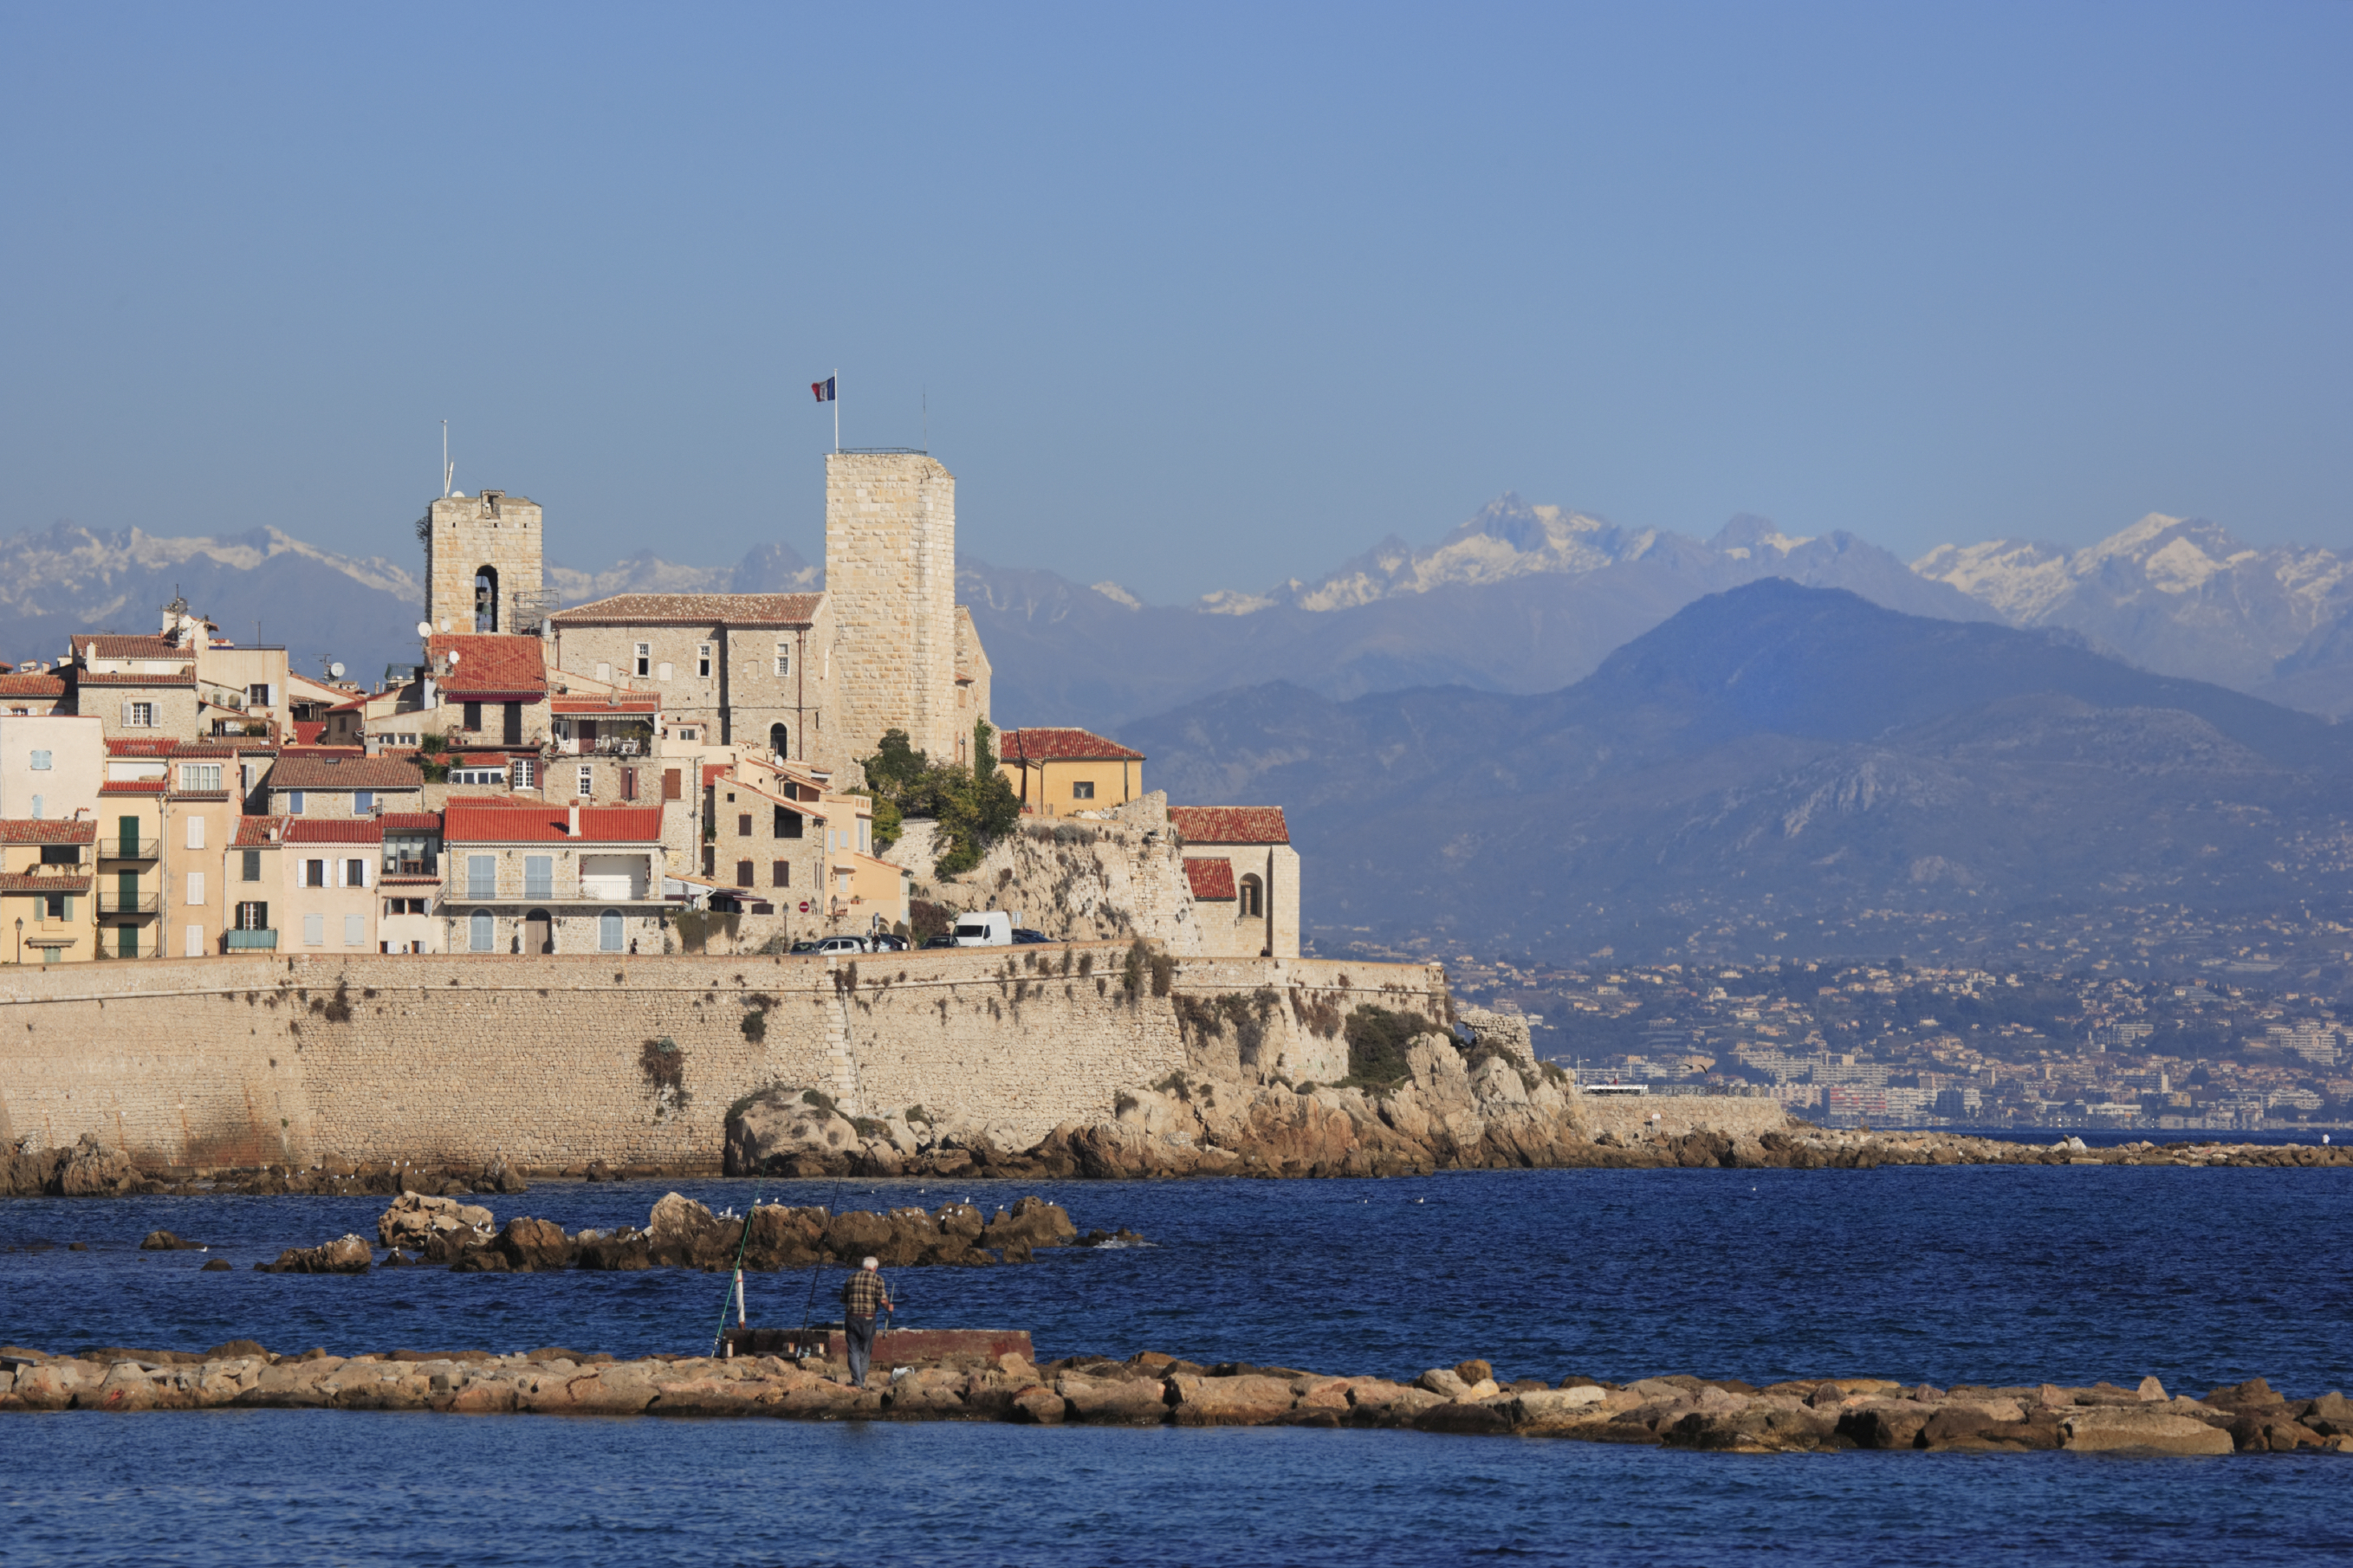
(1717, 1415)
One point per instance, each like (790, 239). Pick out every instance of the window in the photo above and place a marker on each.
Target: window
(702, 660)
(780, 874)
(60, 855)
(1252, 898)
(526, 773)
(192, 943)
(511, 725)
(355, 930)
(673, 785)
(539, 876)
(480, 932)
(742, 873)
(37, 808)
(1082, 789)
(780, 739)
(587, 781)
(645, 659)
(628, 784)
(40, 761)
(481, 876)
(354, 873)
(195, 833)
(783, 658)
(53, 906)
(196, 890)
(743, 825)
(314, 931)
(257, 695)
(364, 803)
(477, 775)
(252, 867)
(139, 715)
(293, 803)
(686, 734)
(788, 823)
(471, 719)
(197, 778)
(608, 932)
(253, 916)
(315, 873)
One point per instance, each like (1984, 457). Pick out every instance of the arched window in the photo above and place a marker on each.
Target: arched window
(780, 740)
(486, 599)
(1252, 898)
(481, 931)
(608, 932)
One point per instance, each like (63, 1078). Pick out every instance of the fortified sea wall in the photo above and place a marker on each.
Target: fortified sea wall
(559, 1060)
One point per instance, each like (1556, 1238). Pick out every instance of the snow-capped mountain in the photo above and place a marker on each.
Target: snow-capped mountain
(2179, 595)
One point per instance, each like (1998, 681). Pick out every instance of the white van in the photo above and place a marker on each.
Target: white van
(984, 928)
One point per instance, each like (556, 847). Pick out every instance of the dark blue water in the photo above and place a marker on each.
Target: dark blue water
(1968, 1274)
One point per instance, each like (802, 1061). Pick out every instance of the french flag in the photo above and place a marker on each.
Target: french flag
(824, 389)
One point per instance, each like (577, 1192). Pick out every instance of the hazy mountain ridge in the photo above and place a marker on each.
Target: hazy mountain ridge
(1785, 758)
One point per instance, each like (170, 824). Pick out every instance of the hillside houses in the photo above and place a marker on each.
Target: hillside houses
(642, 773)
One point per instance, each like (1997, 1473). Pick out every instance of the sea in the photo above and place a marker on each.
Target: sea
(1948, 1275)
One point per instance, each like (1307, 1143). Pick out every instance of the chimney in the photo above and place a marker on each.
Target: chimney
(576, 822)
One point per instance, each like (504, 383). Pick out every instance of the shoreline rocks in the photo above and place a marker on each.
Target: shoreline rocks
(1722, 1415)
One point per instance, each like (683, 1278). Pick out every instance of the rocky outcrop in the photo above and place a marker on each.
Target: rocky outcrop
(415, 1219)
(789, 1132)
(1152, 1389)
(86, 1169)
(345, 1255)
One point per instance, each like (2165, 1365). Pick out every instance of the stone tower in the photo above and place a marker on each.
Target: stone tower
(482, 563)
(890, 583)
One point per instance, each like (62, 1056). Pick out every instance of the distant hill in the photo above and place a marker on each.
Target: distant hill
(1770, 764)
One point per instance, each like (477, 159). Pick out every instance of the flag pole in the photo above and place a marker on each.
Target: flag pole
(837, 410)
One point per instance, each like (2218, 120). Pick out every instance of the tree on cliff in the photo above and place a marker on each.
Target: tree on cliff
(972, 804)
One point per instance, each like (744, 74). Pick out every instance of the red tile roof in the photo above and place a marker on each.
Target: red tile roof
(140, 746)
(411, 821)
(492, 665)
(352, 770)
(694, 610)
(1211, 879)
(334, 830)
(489, 822)
(1062, 745)
(107, 645)
(132, 786)
(34, 882)
(101, 678)
(33, 684)
(24, 830)
(618, 704)
(308, 730)
(1229, 824)
(257, 832)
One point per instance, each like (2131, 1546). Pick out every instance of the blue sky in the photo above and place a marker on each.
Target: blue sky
(1199, 297)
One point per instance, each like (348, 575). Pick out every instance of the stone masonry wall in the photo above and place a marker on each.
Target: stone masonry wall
(538, 1060)
(890, 578)
(461, 537)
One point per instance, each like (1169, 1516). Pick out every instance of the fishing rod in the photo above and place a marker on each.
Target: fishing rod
(817, 1268)
(736, 1291)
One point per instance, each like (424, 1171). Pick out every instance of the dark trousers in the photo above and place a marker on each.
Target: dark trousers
(859, 1333)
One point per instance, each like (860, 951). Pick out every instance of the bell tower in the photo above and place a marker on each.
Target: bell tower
(482, 563)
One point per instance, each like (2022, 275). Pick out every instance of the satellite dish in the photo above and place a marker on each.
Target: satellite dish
(453, 659)
(458, 495)
(335, 672)
(425, 628)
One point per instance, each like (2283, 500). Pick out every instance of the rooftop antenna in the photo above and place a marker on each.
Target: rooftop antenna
(927, 420)
(448, 472)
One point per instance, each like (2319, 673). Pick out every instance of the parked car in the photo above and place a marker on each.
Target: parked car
(838, 944)
(1024, 936)
(945, 939)
(804, 947)
(884, 942)
(984, 928)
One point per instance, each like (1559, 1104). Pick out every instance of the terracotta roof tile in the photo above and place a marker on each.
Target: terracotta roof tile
(24, 830)
(33, 684)
(1058, 745)
(694, 610)
(308, 730)
(34, 882)
(411, 821)
(1211, 879)
(481, 822)
(132, 786)
(109, 645)
(257, 832)
(334, 830)
(619, 705)
(140, 746)
(1230, 824)
(101, 678)
(352, 770)
(492, 664)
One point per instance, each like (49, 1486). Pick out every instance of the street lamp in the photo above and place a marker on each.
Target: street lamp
(20, 941)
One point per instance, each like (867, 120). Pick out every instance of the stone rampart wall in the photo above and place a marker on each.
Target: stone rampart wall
(541, 1060)
(1628, 1116)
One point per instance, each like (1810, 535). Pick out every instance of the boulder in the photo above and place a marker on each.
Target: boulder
(1889, 1423)
(780, 1132)
(1542, 1410)
(345, 1255)
(164, 1241)
(623, 1249)
(2103, 1428)
(533, 1245)
(1251, 1400)
(2270, 1432)
(682, 1232)
(88, 1170)
(414, 1218)
(1759, 1427)
(1109, 1401)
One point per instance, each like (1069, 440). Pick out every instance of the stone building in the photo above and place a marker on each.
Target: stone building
(522, 878)
(731, 669)
(1057, 772)
(484, 571)
(1245, 877)
(45, 875)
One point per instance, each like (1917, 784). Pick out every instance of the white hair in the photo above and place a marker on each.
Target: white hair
(871, 1262)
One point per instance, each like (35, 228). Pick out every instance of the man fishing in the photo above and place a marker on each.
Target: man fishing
(863, 1294)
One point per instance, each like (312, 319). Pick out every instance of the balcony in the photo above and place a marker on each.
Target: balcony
(108, 948)
(134, 904)
(252, 940)
(130, 848)
(428, 866)
(606, 746)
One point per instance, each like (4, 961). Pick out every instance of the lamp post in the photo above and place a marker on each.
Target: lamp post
(20, 941)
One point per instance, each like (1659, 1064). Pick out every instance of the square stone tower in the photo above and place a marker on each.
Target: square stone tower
(482, 563)
(890, 582)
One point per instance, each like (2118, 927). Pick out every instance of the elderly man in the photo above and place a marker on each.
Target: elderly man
(863, 1294)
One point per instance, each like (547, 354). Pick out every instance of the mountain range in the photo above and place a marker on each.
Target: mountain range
(1780, 768)
(1519, 599)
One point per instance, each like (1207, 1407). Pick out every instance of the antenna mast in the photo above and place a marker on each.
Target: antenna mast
(447, 473)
